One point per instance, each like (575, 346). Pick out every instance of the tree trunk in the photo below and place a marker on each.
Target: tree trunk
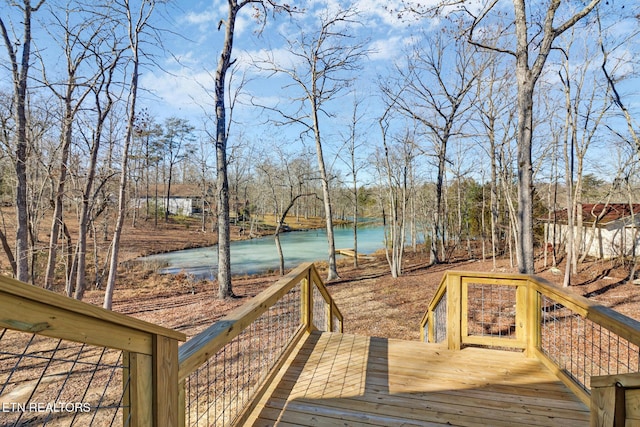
(332, 274)
(225, 289)
(57, 220)
(527, 76)
(525, 248)
(83, 227)
(134, 38)
(355, 221)
(20, 73)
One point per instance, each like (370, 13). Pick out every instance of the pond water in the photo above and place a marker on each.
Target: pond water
(259, 255)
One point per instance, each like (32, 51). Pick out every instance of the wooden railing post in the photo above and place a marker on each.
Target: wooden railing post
(532, 327)
(139, 401)
(307, 301)
(454, 311)
(152, 398)
(165, 381)
(607, 403)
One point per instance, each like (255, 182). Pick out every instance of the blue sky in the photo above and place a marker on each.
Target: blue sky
(180, 82)
(179, 88)
(197, 54)
(180, 92)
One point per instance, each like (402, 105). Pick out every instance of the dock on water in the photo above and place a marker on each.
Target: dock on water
(351, 253)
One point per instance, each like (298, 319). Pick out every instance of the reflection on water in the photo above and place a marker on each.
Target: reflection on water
(258, 255)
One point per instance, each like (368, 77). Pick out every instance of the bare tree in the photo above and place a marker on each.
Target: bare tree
(177, 144)
(496, 122)
(78, 44)
(527, 74)
(104, 99)
(20, 63)
(353, 145)
(285, 185)
(394, 164)
(432, 89)
(609, 70)
(222, 134)
(586, 104)
(136, 24)
(324, 58)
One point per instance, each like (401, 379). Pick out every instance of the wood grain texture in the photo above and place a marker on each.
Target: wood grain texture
(349, 380)
(33, 294)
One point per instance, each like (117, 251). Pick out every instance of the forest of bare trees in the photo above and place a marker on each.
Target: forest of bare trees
(492, 116)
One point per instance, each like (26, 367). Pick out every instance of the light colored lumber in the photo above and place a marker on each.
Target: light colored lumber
(337, 379)
(27, 308)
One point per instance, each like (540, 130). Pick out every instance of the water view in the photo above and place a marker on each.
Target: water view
(258, 255)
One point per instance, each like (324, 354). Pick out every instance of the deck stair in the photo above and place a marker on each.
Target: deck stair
(495, 350)
(341, 379)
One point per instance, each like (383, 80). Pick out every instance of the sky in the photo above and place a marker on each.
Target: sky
(196, 55)
(179, 82)
(183, 86)
(179, 89)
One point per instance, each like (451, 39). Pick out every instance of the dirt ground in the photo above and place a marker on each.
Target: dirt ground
(372, 302)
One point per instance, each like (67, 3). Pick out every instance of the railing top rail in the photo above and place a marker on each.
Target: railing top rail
(28, 308)
(622, 325)
(199, 348)
(488, 275)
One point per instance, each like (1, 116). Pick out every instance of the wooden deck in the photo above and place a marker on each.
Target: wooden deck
(348, 380)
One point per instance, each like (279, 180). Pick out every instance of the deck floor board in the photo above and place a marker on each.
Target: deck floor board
(349, 380)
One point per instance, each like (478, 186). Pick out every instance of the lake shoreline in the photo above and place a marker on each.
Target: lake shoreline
(259, 255)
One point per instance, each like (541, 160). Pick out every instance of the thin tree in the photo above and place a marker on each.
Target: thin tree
(353, 144)
(528, 71)
(496, 121)
(177, 143)
(586, 105)
(608, 71)
(433, 88)
(136, 24)
(394, 164)
(282, 176)
(78, 47)
(222, 134)
(104, 99)
(20, 63)
(325, 57)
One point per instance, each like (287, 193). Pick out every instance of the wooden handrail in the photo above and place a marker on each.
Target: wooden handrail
(149, 351)
(622, 325)
(616, 322)
(529, 291)
(204, 346)
(155, 368)
(28, 308)
(201, 347)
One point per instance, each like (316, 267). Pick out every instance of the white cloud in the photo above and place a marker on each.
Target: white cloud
(200, 18)
(387, 49)
(183, 92)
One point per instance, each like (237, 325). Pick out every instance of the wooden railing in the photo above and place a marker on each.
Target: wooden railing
(587, 345)
(228, 366)
(70, 363)
(614, 400)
